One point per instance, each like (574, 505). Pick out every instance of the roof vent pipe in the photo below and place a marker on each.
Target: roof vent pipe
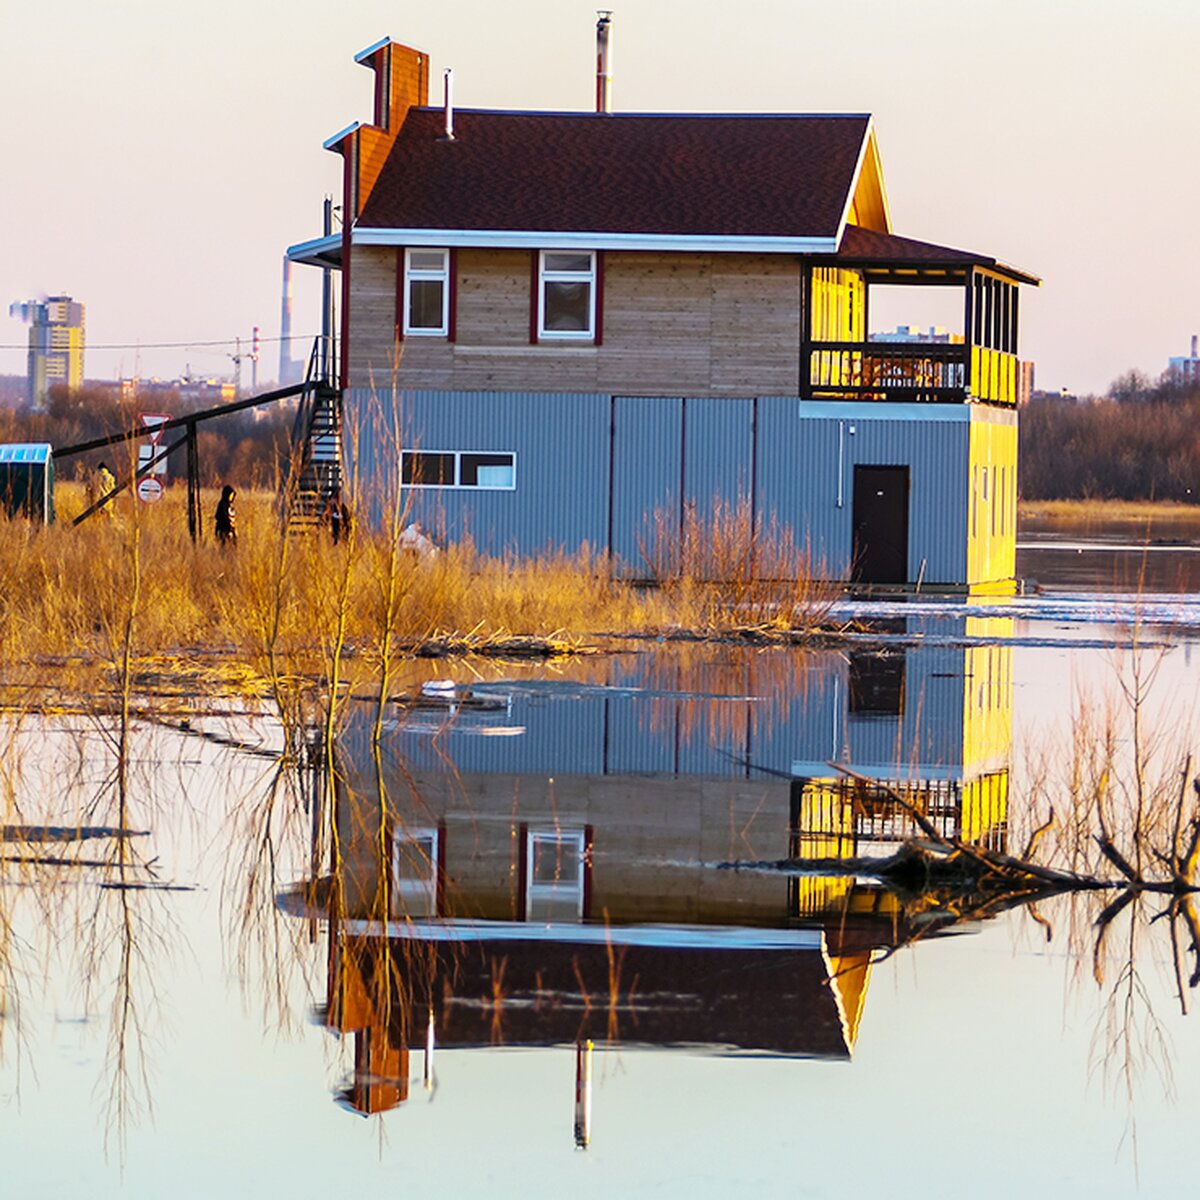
(603, 63)
(448, 93)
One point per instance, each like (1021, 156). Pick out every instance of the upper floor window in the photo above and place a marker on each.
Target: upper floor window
(414, 872)
(567, 295)
(426, 292)
(556, 867)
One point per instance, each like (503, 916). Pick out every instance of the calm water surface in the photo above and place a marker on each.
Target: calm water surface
(239, 996)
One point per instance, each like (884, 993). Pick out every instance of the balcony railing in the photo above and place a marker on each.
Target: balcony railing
(910, 372)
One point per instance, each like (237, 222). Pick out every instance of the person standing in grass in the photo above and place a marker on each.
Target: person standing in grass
(225, 523)
(106, 482)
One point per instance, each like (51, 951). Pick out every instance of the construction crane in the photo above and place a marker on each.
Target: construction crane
(253, 356)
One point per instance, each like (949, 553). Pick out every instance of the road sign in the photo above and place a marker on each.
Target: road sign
(146, 452)
(152, 421)
(150, 490)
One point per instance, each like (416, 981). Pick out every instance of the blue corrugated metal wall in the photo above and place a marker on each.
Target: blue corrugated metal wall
(560, 441)
(647, 458)
(806, 458)
(718, 437)
(605, 470)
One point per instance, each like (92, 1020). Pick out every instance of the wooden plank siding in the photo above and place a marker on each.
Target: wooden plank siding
(674, 324)
(372, 340)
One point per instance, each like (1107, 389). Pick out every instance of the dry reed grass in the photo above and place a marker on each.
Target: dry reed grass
(729, 568)
(1088, 512)
(275, 613)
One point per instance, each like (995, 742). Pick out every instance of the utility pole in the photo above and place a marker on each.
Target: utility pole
(325, 358)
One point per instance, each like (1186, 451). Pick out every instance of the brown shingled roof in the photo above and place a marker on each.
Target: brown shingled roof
(867, 247)
(723, 175)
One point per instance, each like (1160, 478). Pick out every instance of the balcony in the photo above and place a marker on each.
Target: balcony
(911, 372)
(838, 361)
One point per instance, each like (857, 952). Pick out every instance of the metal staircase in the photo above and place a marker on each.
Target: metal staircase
(315, 475)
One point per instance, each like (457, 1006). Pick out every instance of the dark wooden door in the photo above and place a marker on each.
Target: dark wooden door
(880, 525)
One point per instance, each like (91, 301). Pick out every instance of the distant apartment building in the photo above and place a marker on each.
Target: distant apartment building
(938, 335)
(56, 342)
(1025, 382)
(188, 390)
(1186, 369)
(905, 334)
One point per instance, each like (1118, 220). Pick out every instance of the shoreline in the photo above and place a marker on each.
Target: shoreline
(1084, 512)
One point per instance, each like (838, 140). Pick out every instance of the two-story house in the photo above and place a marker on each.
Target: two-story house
(561, 329)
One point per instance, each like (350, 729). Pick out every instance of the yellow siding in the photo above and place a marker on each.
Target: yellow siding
(992, 493)
(994, 375)
(869, 207)
(838, 303)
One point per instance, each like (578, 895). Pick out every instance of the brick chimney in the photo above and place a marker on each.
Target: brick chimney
(401, 82)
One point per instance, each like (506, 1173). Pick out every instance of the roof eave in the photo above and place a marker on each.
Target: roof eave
(323, 252)
(542, 239)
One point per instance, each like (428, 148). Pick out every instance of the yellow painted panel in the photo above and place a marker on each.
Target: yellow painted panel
(869, 207)
(992, 480)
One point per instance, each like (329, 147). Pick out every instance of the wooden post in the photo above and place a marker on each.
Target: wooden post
(193, 475)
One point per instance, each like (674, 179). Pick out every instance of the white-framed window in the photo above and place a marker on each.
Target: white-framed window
(555, 866)
(495, 470)
(567, 295)
(426, 292)
(414, 872)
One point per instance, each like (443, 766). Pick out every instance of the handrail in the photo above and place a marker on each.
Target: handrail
(911, 371)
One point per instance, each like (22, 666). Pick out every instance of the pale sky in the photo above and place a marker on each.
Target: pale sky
(160, 157)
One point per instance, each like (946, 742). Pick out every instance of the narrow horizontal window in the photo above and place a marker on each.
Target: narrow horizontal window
(567, 295)
(494, 470)
(487, 470)
(427, 292)
(423, 469)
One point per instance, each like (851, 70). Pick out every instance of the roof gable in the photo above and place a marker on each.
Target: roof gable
(691, 175)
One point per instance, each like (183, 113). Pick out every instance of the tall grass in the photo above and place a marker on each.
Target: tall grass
(299, 607)
(727, 567)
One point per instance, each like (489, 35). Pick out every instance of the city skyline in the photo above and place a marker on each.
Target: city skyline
(1052, 138)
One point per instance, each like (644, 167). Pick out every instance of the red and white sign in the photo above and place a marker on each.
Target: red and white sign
(152, 421)
(150, 490)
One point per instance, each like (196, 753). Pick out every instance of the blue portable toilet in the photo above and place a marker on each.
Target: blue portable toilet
(27, 481)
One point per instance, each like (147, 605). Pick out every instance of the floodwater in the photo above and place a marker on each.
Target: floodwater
(510, 955)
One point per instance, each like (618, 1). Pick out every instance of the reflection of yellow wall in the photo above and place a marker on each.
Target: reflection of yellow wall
(849, 975)
(985, 810)
(825, 829)
(992, 503)
(987, 695)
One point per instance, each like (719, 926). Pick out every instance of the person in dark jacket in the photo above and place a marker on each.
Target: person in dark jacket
(225, 524)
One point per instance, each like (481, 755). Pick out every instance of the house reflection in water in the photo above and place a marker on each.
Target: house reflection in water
(539, 864)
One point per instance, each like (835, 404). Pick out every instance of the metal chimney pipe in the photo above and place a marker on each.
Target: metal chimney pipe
(448, 101)
(1195, 339)
(603, 61)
